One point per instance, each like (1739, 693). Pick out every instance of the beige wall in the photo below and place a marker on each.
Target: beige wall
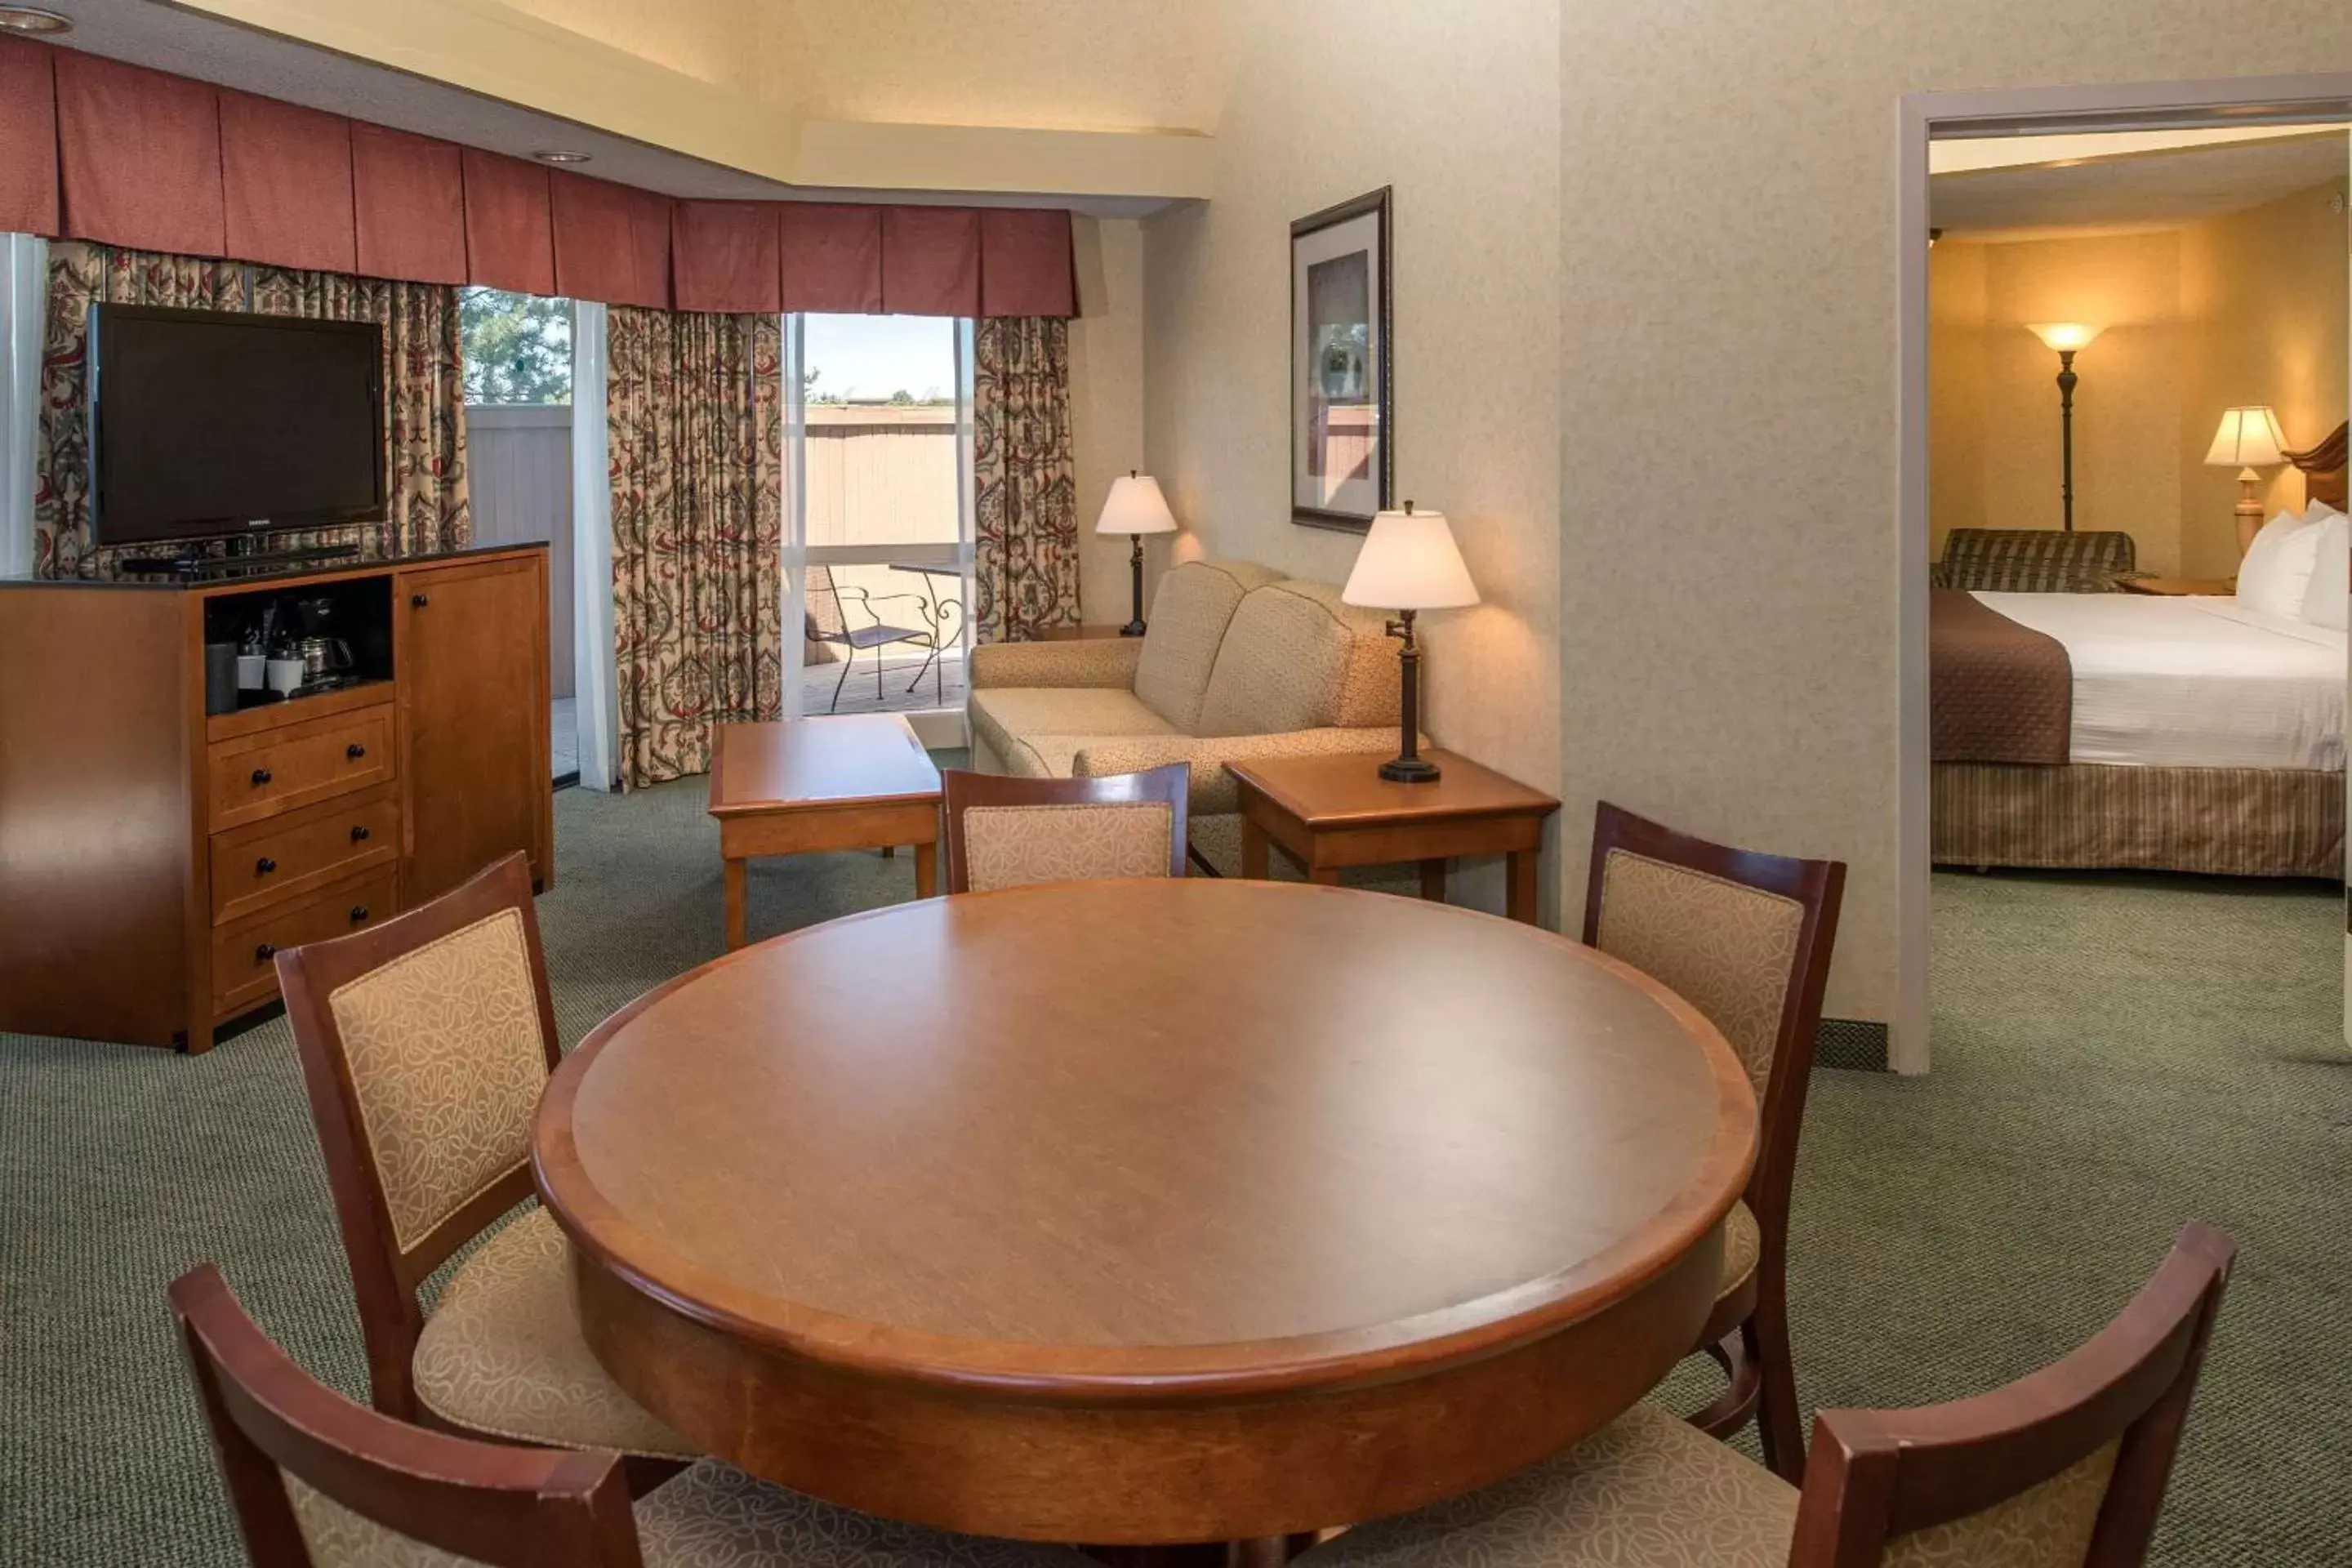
(1463, 121)
(1107, 404)
(2265, 293)
(1728, 287)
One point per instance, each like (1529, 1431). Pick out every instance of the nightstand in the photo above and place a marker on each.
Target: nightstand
(1333, 812)
(2180, 587)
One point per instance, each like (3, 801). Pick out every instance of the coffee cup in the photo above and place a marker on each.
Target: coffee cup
(286, 675)
(252, 671)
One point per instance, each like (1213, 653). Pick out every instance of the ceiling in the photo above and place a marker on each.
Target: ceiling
(2134, 192)
(191, 43)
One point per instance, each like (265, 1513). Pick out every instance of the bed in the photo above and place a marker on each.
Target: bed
(2116, 730)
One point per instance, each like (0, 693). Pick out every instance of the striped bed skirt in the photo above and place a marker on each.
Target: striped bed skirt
(2235, 821)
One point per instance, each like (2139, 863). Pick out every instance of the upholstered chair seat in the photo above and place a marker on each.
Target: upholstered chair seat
(502, 1354)
(1648, 1490)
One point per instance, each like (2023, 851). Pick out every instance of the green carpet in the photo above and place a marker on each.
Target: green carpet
(2112, 1056)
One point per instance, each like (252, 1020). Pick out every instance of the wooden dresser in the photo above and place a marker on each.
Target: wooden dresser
(152, 857)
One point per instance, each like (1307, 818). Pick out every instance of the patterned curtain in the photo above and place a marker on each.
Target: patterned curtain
(1026, 560)
(428, 508)
(695, 406)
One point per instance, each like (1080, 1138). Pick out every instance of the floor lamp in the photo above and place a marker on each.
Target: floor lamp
(2249, 438)
(2068, 338)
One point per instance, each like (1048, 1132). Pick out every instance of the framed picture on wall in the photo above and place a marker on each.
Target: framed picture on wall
(1342, 415)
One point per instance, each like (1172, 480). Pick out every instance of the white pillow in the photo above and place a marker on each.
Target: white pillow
(2278, 565)
(2319, 512)
(2329, 595)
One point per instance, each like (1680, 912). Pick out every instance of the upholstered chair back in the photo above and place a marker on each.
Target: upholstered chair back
(425, 1043)
(1190, 611)
(1005, 832)
(1295, 657)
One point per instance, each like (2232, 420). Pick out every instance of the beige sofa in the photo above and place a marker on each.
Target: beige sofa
(1238, 662)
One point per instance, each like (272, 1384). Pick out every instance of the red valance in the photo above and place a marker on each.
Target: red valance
(138, 155)
(93, 149)
(28, 138)
(285, 184)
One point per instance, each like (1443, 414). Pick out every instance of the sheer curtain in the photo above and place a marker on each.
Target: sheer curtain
(596, 716)
(24, 287)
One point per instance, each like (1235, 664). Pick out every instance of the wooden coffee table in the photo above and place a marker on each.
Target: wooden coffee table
(857, 782)
(1333, 812)
(1146, 1211)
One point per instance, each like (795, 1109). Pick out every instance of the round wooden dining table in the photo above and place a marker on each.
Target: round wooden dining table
(1153, 1211)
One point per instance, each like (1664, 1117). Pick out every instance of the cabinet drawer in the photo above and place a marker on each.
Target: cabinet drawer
(267, 862)
(242, 974)
(261, 775)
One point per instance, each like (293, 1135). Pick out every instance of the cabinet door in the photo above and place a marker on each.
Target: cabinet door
(474, 720)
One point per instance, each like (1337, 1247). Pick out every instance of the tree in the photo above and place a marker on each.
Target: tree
(517, 348)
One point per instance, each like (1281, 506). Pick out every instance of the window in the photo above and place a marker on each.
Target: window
(878, 511)
(517, 347)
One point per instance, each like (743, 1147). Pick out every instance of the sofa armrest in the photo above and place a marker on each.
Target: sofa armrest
(1088, 661)
(1213, 790)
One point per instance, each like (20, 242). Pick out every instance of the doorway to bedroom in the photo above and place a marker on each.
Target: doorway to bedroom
(2125, 705)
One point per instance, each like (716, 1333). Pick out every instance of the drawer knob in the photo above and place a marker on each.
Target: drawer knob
(260, 777)
(358, 914)
(263, 867)
(359, 834)
(355, 751)
(265, 953)
(418, 600)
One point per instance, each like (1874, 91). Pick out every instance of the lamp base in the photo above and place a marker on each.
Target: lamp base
(1132, 629)
(1409, 770)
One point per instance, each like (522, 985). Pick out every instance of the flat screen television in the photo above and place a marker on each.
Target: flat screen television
(204, 423)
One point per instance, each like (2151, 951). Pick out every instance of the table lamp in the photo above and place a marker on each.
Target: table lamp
(2067, 338)
(1135, 507)
(1409, 563)
(2249, 438)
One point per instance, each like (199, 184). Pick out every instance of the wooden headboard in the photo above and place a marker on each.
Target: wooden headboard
(2324, 469)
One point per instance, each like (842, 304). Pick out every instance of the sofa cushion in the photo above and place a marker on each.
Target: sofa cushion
(1290, 656)
(1010, 719)
(1188, 617)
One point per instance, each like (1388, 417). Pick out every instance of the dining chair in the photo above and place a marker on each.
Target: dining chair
(315, 1479)
(426, 1042)
(2063, 1468)
(1005, 832)
(1746, 939)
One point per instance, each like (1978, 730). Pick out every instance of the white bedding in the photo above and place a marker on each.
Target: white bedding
(2193, 682)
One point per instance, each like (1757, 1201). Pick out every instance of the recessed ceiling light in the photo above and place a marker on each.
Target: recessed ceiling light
(32, 19)
(559, 157)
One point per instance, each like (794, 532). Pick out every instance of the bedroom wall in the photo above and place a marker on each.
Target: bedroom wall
(1730, 644)
(1956, 388)
(2265, 291)
(1463, 121)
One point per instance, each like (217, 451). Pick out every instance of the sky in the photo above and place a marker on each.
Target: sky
(874, 356)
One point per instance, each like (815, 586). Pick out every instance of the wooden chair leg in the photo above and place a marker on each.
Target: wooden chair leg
(1736, 1406)
(1780, 1426)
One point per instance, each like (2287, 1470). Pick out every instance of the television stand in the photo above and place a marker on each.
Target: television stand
(195, 568)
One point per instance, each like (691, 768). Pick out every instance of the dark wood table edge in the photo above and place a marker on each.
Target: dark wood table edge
(1488, 1326)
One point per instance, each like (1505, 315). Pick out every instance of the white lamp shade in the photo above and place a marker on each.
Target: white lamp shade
(1135, 505)
(2064, 336)
(2249, 438)
(1409, 562)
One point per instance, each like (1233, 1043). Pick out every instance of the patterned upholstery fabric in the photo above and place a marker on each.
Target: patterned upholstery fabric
(1011, 718)
(446, 1064)
(502, 1354)
(2047, 1526)
(712, 1516)
(1014, 846)
(1285, 657)
(1727, 950)
(1646, 1492)
(2035, 560)
(1189, 616)
(1087, 661)
(1743, 1247)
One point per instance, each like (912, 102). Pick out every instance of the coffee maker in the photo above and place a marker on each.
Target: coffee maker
(325, 659)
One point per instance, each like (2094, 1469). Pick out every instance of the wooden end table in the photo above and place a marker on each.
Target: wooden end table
(854, 782)
(1332, 812)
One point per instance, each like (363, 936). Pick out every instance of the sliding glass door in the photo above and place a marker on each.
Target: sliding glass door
(877, 517)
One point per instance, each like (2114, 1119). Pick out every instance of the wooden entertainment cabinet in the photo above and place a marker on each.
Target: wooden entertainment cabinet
(152, 857)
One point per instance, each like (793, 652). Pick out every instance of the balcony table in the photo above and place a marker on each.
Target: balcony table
(1150, 1211)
